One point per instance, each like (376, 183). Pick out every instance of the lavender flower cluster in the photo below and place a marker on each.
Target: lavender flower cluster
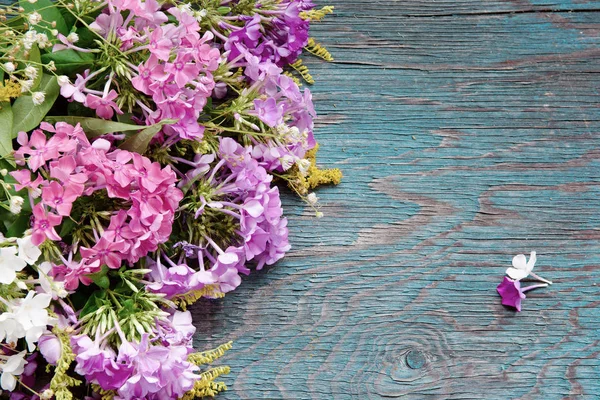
(145, 175)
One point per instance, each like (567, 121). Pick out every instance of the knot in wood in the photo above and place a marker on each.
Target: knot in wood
(415, 359)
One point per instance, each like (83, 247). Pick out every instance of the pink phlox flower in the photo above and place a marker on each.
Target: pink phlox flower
(118, 229)
(109, 253)
(107, 23)
(75, 91)
(104, 106)
(268, 111)
(60, 197)
(159, 45)
(23, 177)
(149, 12)
(123, 171)
(182, 69)
(43, 226)
(150, 72)
(37, 147)
(149, 173)
(186, 20)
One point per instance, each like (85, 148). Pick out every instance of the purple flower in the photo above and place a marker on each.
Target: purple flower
(511, 293)
(269, 111)
(50, 348)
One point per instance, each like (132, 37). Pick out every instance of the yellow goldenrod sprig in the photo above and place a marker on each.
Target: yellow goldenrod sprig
(302, 69)
(61, 382)
(314, 177)
(318, 50)
(185, 300)
(316, 15)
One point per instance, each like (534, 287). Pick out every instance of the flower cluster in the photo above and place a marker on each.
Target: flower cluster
(510, 289)
(66, 170)
(146, 175)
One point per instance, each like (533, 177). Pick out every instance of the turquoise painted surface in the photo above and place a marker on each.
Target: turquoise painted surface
(468, 132)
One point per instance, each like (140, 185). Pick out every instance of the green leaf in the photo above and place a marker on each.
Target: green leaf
(6, 122)
(19, 226)
(94, 302)
(26, 115)
(95, 127)
(139, 143)
(49, 13)
(66, 227)
(34, 57)
(69, 62)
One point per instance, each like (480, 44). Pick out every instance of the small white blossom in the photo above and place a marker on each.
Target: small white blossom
(48, 285)
(3, 172)
(28, 251)
(73, 37)
(10, 263)
(287, 162)
(16, 204)
(51, 66)
(38, 98)
(521, 267)
(303, 166)
(47, 394)
(9, 67)
(26, 85)
(13, 367)
(30, 72)
(29, 39)
(34, 18)
(42, 40)
(319, 214)
(312, 198)
(63, 80)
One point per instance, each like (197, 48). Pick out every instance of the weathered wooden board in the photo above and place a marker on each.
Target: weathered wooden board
(468, 131)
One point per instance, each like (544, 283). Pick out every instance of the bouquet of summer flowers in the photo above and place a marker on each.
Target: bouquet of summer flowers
(142, 146)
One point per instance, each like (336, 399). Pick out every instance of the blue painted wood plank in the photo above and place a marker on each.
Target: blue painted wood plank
(468, 132)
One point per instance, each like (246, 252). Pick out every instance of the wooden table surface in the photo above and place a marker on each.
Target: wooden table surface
(468, 131)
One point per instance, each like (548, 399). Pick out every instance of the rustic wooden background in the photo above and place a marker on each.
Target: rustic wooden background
(468, 131)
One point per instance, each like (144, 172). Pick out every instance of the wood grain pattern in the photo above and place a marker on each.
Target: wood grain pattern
(467, 132)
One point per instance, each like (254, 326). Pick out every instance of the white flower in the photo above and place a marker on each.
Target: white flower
(34, 18)
(38, 98)
(14, 366)
(48, 285)
(42, 40)
(47, 394)
(63, 80)
(31, 312)
(73, 37)
(312, 198)
(29, 38)
(3, 172)
(10, 329)
(9, 67)
(319, 214)
(303, 166)
(26, 85)
(521, 267)
(16, 203)
(9, 264)
(286, 162)
(28, 251)
(51, 66)
(30, 72)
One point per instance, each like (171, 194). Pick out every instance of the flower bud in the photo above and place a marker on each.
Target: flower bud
(9, 67)
(38, 98)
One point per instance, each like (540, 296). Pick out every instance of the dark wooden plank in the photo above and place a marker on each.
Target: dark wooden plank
(468, 132)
